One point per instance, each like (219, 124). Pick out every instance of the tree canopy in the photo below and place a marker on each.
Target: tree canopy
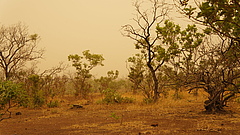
(221, 16)
(17, 47)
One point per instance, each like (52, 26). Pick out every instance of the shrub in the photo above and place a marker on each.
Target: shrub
(111, 96)
(128, 99)
(12, 93)
(53, 104)
(38, 99)
(148, 100)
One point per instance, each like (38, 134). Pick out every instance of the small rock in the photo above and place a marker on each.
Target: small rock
(18, 113)
(76, 106)
(154, 125)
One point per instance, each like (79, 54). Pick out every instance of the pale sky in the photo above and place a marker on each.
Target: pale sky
(72, 26)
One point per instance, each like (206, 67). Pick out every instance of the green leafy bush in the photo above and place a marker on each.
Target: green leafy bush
(38, 99)
(128, 100)
(12, 94)
(111, 96)
(148, 100)
(53, 104)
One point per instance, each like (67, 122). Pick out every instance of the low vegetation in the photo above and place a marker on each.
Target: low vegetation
(172, 60)
(112, 96)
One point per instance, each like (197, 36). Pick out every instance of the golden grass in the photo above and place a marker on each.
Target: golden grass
(171, 114)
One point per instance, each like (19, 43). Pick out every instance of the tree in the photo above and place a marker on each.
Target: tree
(136, 71)
(146, 38)
(42, 86)
(221, 16)
(217, 73)
(11, 94)
(17, 47)
(83, 70)
(217, 67)
(211, 66)
(179, 49)
(107, 82)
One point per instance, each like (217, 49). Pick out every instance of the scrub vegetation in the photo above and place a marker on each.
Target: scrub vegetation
(184, 80)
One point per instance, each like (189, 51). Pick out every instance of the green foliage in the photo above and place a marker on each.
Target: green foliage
(207, 31)
(35, 82)
(136, 71)
(34, 37)
(215, 67)
(181, 48)
(108, 81)
(83, 68)
(84, 64)
(115, 116)
(148, 100)
(45, 86)
(172, 36)
(38, 99)
(11, 94)
(53, 103)
(168, 35)
(171, 46)
(222, 16)
(111, 96)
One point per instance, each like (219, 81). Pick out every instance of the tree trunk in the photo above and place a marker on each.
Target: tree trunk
(214, 104)
(7, 73)
(155, 80)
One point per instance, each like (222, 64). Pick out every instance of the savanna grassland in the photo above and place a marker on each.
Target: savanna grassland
(184, 115)
(173, 64)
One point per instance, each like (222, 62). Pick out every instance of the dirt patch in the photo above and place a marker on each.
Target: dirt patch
(175, 117)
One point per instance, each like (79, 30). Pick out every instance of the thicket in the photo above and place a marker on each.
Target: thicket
(112, 96)
(169, 58)
(11, 95)
(206, 59)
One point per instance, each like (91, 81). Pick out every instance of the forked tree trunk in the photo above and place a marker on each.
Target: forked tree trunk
(214, 104)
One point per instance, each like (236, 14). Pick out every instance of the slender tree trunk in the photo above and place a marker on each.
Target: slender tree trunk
(7, 74)
(155, 80)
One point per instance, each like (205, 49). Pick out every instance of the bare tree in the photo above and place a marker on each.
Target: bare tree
(17, 47)
(145, 36)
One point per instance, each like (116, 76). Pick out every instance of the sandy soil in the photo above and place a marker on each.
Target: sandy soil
(167, 117)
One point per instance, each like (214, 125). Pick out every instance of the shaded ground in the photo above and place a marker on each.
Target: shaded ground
(167, 117)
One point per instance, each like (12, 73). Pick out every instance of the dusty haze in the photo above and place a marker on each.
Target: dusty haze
(72, 26)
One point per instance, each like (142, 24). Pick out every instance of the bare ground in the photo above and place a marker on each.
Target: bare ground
(183, 116)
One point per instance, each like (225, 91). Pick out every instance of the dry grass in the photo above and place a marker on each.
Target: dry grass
(182, 116)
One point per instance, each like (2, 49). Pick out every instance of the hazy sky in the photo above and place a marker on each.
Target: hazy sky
(72, 26)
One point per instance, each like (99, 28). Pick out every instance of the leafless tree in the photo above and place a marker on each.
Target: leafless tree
(145, 36)
(17, 47)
